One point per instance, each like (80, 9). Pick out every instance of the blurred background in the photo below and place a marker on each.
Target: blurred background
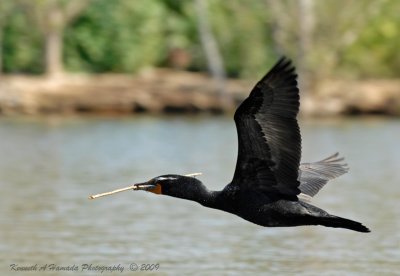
(67, 56)
(95, 95)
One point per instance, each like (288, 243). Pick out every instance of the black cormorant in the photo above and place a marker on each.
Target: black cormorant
(269, 187)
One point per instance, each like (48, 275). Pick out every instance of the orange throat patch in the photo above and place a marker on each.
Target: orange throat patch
(157, 190)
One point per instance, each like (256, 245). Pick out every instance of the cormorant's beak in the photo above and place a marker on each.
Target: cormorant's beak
(144, 186)
(148, 187)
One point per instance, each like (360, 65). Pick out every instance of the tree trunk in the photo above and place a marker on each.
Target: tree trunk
(277, 25)
(53, 40)
(1, 49)
(210, 47)
(305, 34)
(54, 53)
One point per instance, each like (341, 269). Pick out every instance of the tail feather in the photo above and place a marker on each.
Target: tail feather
(338, 222)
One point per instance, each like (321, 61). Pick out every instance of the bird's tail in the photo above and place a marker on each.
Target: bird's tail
(338, 222)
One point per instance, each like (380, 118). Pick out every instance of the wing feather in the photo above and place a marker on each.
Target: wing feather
(269, 136)
(314, 176)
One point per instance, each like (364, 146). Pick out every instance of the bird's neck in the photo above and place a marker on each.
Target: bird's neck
(208, 198)
(200, 194)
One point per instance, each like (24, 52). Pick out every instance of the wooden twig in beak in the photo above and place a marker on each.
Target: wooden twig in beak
(113, 192)
(193, 174)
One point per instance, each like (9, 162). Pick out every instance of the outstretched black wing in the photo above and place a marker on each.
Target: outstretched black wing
(269, 136)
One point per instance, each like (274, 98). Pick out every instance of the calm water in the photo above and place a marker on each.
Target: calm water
(48, 167)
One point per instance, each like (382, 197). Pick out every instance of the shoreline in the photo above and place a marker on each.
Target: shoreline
(165, 91)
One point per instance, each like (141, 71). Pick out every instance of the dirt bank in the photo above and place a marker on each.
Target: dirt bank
(155, 91)
(355, 97)
(166, 91)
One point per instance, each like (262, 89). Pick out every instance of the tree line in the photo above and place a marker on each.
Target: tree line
(237, 38)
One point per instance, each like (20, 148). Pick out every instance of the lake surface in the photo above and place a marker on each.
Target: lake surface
(49, 166)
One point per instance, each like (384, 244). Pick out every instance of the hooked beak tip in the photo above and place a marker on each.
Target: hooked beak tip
(135, 187)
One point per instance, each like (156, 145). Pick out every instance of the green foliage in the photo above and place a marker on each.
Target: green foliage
(127, 35)
(118, 36)
(241, 30)
(376, 51)
(22, 46)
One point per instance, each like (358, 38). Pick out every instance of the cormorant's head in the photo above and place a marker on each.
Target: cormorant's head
(181, 186)
(171, 184)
